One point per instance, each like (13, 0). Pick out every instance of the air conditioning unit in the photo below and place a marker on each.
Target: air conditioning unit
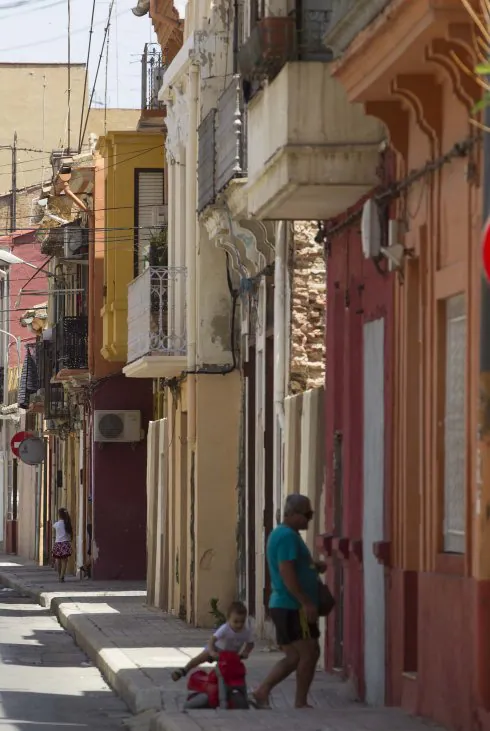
(160, 216)
(117, 426)
(75, 240)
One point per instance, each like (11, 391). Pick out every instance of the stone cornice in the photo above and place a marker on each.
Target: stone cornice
(377, 51)
(346, 24)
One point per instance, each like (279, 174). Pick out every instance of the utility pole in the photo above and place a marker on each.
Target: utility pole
(13, 200)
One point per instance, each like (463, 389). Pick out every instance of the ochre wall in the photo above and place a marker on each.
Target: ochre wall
(123, 152)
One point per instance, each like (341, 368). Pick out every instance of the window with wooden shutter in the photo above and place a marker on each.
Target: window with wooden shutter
(150, 213)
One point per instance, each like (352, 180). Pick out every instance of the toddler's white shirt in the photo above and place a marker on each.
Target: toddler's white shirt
(227, 640)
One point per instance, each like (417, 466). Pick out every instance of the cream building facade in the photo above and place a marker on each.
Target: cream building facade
(259, 154)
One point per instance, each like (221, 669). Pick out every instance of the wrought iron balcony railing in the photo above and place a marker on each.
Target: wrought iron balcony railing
(55, 405)
(152, 70)
(44, 360)
(222, 145)
(71, 344)
(156, 313)
(231, 152)
(275, 41)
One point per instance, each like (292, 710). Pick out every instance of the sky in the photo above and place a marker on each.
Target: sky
(36, 31)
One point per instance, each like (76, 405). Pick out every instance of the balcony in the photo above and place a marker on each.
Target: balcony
(222, 145)
(276, 41)
(157, 340)
(71, 348)
(55, 405)
(231, 152)
(152, 69)
(350, 17)
(311, 153)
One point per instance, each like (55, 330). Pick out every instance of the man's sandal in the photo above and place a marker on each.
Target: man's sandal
(259, 705)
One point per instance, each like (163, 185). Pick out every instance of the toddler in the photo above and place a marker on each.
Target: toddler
(233, 636)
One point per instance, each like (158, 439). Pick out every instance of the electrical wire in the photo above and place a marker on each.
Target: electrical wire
(85, 85)
(106, 80)
(392, 192)
(23, 3)
(55, 38)
(107, 167)
(69, 74)
(104, 40)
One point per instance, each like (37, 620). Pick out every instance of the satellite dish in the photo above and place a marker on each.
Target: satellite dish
(32, 451)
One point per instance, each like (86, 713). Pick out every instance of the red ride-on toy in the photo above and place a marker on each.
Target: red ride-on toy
(222, 687)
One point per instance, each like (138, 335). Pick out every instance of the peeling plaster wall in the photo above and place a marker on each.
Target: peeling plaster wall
(308, 304)
(214, 305)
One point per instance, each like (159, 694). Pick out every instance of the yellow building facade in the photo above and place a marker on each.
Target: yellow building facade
(124, 153)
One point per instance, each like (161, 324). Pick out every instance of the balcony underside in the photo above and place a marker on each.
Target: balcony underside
(311, 153)
(156, 366)
(313, 182)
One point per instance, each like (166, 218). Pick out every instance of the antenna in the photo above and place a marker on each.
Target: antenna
(69, 75)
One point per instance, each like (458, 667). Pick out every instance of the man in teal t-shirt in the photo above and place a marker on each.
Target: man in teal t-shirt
(294, 602)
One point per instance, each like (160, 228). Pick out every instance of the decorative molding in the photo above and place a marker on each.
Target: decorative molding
(396, 120)
(177, 123)
(442, 53)
(248, 241)
(423, 94)
(219, 227)
(260, 251)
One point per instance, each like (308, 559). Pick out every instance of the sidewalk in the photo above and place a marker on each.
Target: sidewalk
(136, 648)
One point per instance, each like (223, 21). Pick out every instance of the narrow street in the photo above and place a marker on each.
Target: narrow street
(46, 680)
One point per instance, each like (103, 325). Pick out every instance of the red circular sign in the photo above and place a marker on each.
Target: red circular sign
(486, 249)
(17, 440)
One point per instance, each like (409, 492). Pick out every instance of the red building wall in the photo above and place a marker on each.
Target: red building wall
(119, 486)
(27, 247)
(357, 294)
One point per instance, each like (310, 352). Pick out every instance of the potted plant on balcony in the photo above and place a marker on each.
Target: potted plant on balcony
(158, 257)
(158, 248)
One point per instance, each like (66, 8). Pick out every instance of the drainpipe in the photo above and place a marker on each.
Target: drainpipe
(191, 249)
(280, 268)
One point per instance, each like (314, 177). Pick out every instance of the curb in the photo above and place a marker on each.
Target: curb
(124, 677)
(173, 722)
